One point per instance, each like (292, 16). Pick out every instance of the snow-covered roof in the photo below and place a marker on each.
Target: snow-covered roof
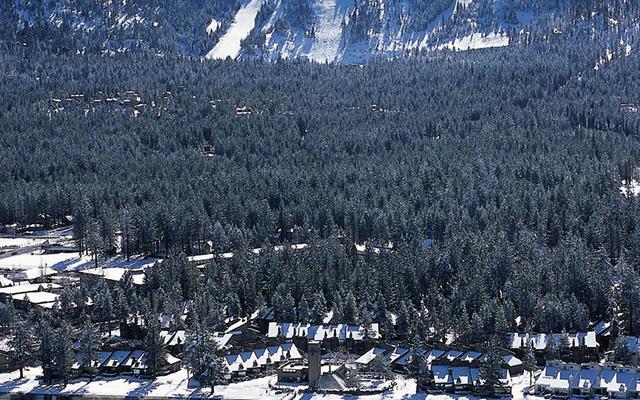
(222, 339)
(262, 357)
(462, 376)
(177, 339)
(133, 357)
(116, 358)
(320, 332)
(33, 273)
(4, 281)
(370, 355)
(115, 274)
(441, 374)
(511, 361)
(32, 287)
(540, 341)
(36, 297)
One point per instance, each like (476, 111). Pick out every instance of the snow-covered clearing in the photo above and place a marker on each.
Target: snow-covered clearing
(20, 242)
(175, 385)
(243, 23)
(476, 41)
(328, 39)
(70, 262)
(38, 259)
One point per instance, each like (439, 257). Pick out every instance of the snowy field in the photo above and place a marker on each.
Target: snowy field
(38, 259)
(177, 385)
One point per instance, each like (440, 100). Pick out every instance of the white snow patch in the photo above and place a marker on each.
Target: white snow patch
(327, 43)
(476, 41)
(244, 21)
(213, 27)
(631, 189)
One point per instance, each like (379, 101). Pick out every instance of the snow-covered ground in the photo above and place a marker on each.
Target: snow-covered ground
(327, 42)
(243, 23)
(177, 385)
(630, 189)
(476, 41)
(38, 259)
(11, 242)
(70, 262)
(213, 27)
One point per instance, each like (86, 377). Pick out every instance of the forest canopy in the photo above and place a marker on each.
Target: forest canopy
(509, 160)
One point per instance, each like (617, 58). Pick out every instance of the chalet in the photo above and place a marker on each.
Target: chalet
(243, 110)
(115, 363)
(49, 247)
(260, 360)
(581, 346)
(587, 380)
(331, 335)
(293, 371)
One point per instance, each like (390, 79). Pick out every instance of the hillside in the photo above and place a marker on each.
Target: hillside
(344, 31)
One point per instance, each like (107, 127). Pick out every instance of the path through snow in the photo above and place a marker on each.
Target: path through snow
(243, 23)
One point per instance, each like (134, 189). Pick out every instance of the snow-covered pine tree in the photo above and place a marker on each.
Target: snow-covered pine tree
(621, 350)
(303, 310)
(213, 373)
(490, 370)
(199, 345)
(529, 361)
(154, 344)
(90, 345)
(24, 347)
(418, 366)
(63, 355)
(318, 309)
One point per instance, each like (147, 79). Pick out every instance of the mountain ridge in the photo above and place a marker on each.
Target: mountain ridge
(339, 31)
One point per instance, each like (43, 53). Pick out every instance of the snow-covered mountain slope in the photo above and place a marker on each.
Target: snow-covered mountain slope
(338, 31)
(244, 22)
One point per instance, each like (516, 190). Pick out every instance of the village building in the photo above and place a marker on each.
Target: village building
(580, 346)
(587, 380)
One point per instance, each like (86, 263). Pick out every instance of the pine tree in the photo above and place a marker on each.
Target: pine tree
(490, 370)
(350, 309)
(621, 352)
(199, 345)
(553, 348)
(154, 344)
(318, 309)
(63, 355)
(89, 345)
(418, 365)
(24, 347)
(402, 322)
(303, 310)
(530, 363)
(213, 373)
(46, 349)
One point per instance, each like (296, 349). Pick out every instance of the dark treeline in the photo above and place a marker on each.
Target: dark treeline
(510, 160)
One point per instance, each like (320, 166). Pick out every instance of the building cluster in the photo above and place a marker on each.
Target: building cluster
(588, 380)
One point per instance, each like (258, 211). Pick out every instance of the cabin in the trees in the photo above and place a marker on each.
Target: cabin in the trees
(260, 360)
(352, 336)
(574, 346)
